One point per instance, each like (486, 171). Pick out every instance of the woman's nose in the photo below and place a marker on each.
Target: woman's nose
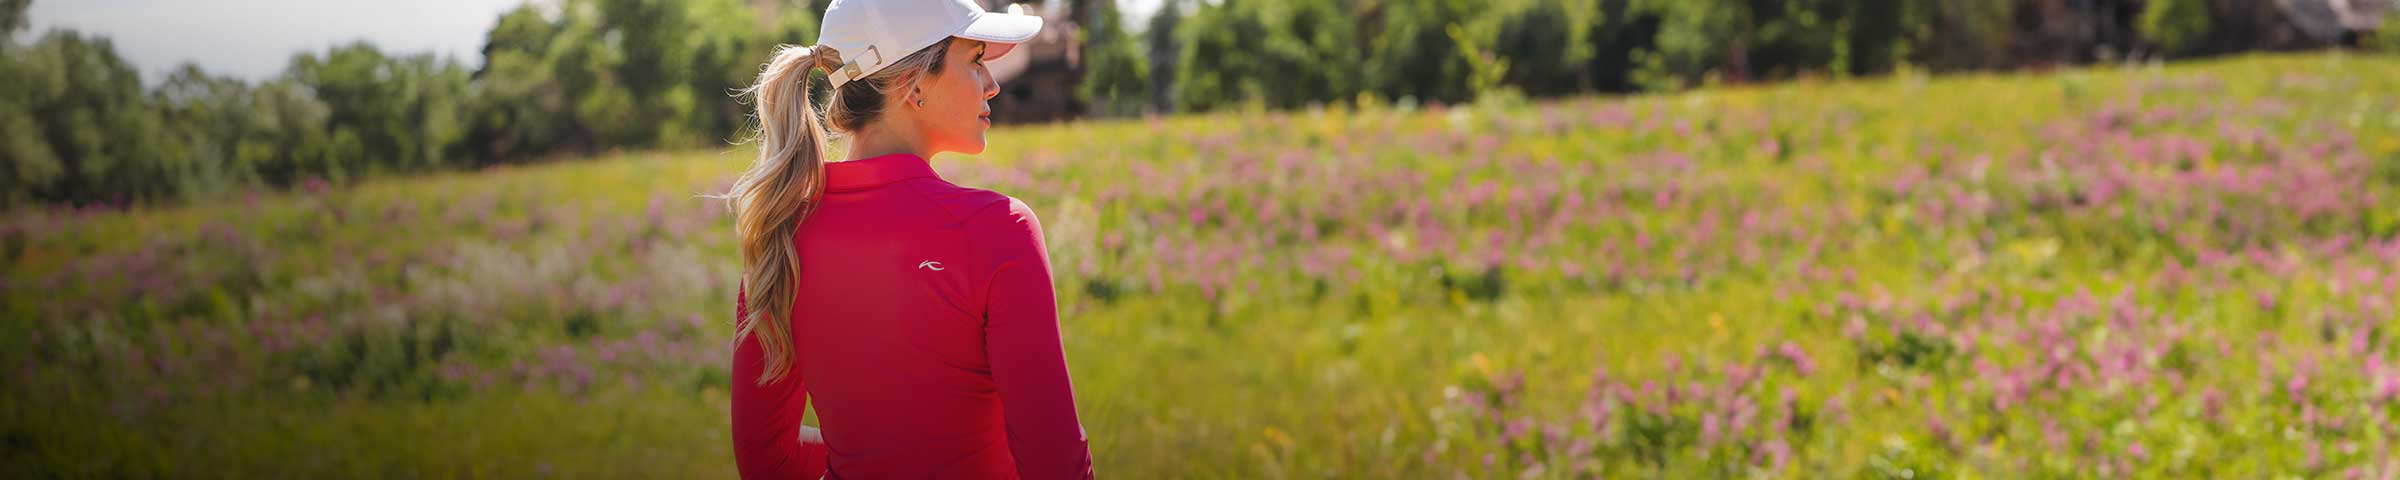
(991, 85)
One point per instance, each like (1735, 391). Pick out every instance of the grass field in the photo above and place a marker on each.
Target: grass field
(2188, 271)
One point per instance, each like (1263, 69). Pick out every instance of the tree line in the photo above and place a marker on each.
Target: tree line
(78, 126)
(1291, 53)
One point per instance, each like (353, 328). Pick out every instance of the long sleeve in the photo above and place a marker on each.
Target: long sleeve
(766, 419)
(1021, 335)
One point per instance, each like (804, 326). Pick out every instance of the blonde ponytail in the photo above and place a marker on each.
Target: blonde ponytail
(776, 194)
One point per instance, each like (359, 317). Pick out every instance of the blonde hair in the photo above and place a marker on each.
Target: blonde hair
(783, 186)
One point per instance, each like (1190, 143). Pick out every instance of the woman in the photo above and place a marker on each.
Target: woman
(916, 313)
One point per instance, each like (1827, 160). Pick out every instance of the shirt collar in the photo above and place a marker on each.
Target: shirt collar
(874, 172)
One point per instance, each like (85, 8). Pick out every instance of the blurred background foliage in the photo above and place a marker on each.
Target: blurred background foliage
(578, 77)
(583, 76)
(2163, 271)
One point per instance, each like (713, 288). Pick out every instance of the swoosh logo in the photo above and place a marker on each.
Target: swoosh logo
(930, 265)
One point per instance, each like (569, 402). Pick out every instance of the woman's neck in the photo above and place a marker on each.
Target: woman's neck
(878, 141)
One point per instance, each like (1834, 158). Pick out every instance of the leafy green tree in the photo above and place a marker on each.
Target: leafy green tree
(1282, 54)
(1164, 44)
(1621, 33)
(573, 80)
(1959, 34)
(1695, 39)
(1745, 40)
(2175, 25)
(405, 112)
(12, 16)
(519, 108)
(583, 63)
(1871, 35)
(79, 129)
(285, 135)
(652, 38)
(1116, 79)
(724, 60)
(1420, 51)
(1546, 47)
(208, 117)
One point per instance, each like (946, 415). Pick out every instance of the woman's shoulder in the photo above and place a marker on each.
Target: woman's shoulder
(997, 228)
(975, 206)
(1006, 215)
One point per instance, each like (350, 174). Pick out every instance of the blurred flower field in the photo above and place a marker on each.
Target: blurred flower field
(2188, 271)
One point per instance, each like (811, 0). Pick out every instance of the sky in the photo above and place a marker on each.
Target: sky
(255, 39)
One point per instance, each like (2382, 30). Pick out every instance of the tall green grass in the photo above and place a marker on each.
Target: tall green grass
(2179, 271)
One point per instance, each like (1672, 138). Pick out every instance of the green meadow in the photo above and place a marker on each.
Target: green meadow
(2179, 271)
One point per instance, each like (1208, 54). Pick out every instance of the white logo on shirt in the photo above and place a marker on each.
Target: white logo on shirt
(930, 265)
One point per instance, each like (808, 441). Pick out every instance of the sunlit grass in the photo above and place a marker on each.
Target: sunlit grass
(2176, 272)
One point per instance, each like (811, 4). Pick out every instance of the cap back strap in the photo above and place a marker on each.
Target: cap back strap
(853, 70)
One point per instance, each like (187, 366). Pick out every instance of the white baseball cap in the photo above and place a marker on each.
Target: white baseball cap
(870, 34)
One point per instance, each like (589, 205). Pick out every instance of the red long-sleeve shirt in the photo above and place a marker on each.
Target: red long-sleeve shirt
(926, 330)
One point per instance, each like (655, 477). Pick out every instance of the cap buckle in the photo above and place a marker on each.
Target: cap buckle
(850, 71)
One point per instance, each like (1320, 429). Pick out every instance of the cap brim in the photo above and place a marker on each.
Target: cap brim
(1003, 29)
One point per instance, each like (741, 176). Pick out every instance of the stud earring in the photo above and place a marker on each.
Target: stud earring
(920, 102)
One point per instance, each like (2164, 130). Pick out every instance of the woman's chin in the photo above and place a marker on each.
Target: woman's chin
(974, 145)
